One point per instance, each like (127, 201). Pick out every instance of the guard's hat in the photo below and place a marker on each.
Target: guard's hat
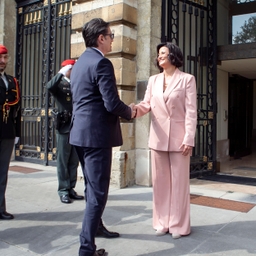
(68, 62)
(3, 49)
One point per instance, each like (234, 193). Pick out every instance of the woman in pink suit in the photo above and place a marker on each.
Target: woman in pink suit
(171, 97)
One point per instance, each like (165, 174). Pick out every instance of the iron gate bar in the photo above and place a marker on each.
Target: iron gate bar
(163, 10)
(190, 12)
(196, 38)
(184, 10)
(212, 18)
(47, 79)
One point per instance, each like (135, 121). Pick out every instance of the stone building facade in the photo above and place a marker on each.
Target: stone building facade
(138, 26)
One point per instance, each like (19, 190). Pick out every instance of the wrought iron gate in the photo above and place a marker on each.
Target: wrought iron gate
(192, 26)
(43, 42)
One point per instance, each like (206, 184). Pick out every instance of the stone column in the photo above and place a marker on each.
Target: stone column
(8, 31)
(2, 21)
(149, 33)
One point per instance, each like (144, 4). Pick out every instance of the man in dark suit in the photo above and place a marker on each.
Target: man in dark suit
(10, 125)
(67, 159)
(95, 125)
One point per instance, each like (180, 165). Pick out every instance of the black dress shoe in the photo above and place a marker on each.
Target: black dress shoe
(103, 232)
(100, 252)
(65, 199)
(6, 216)
(75, 196)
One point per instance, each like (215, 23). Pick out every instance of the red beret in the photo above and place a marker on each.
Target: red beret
(68, 62)
(3, 49)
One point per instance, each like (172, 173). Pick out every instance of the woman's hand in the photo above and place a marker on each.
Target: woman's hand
(186, 150)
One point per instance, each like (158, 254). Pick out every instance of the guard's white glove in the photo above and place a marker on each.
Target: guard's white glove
(65, 69)
(16, 140)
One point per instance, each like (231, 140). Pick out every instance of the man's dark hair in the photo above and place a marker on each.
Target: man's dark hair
(92, 30)
(175, 55)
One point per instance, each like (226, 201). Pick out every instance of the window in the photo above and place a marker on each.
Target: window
(243, 20)
(244, 28)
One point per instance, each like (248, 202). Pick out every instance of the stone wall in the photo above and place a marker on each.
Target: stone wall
(149, 33)
(8, 31)
(2, 4)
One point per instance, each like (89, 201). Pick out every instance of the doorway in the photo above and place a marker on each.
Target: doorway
(240, 122)
(242, 137)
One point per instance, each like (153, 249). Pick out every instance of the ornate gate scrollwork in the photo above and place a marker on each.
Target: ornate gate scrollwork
(43, 42)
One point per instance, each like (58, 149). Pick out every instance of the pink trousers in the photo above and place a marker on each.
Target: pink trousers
(171, 193)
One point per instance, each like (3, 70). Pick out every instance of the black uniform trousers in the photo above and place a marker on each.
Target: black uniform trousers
(96, 166)
(67, 163)
(6, 148)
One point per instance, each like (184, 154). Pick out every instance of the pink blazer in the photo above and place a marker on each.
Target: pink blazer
(173, 112)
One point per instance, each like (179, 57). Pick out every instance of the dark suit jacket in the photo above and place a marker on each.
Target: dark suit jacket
(11, 128)
(96, 103)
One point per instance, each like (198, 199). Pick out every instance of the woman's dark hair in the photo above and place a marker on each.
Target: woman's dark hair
(92, 30)
(175, 55)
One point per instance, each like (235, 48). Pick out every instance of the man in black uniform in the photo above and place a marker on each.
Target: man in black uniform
(10, 124)
(67, 159)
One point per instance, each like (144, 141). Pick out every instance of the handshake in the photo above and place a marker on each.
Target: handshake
(133, 110)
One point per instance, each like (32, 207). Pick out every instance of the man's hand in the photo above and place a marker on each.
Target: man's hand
(133, 110)
(65, 69)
